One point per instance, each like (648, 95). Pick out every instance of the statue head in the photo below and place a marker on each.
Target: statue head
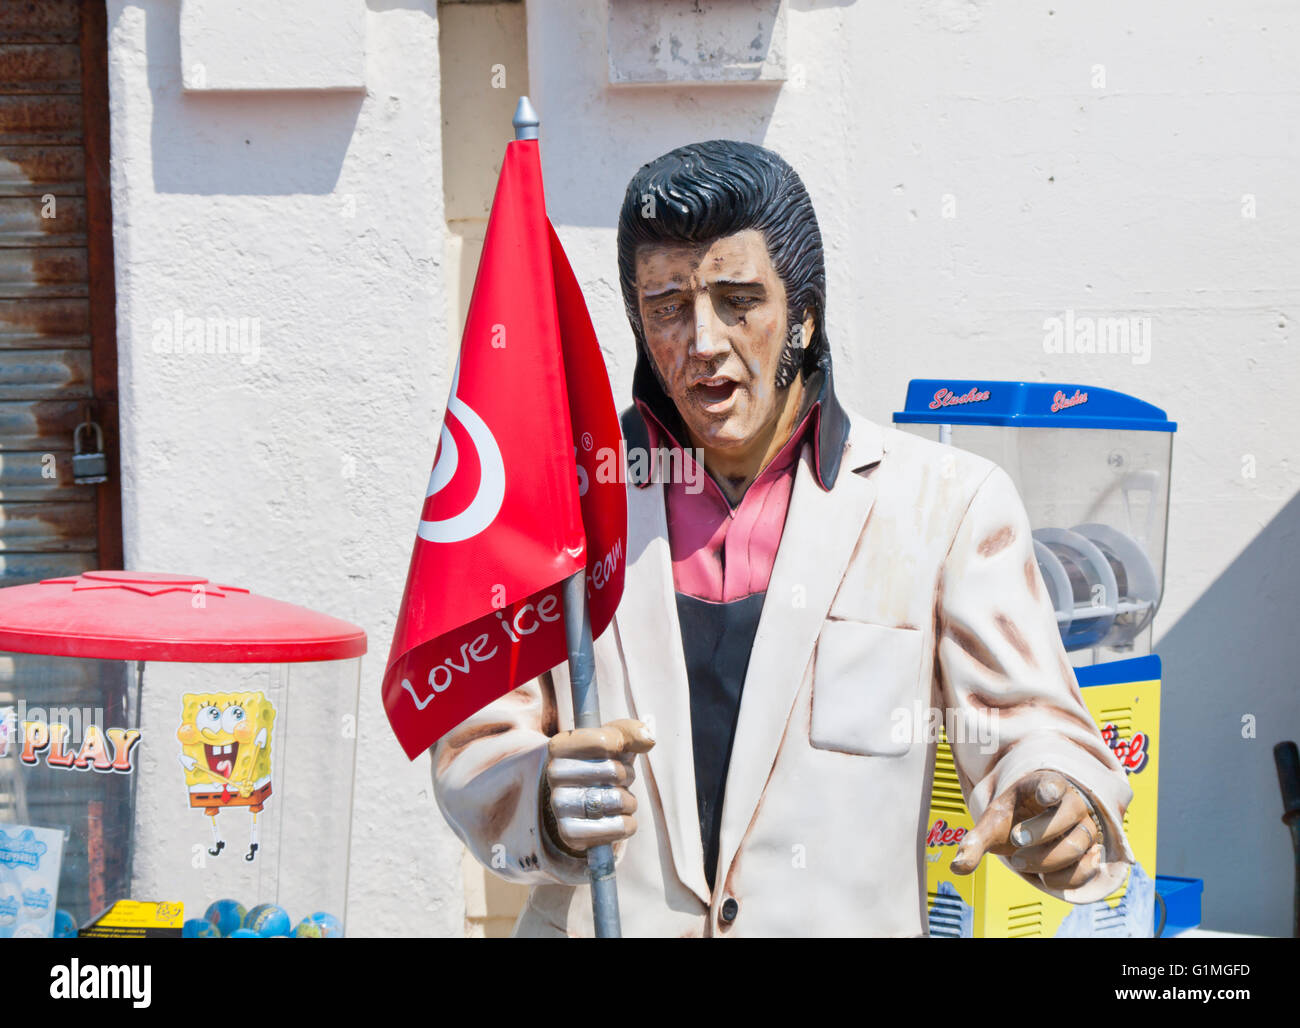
(722, 273)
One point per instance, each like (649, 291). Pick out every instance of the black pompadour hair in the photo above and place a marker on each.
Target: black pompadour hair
(703, 191)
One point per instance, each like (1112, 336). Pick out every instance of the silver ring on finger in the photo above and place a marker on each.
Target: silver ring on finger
(598, 801)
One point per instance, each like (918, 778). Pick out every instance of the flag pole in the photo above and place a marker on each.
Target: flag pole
(582, 671)
(586, 714)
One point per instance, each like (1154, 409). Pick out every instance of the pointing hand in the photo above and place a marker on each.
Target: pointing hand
(1043, 826)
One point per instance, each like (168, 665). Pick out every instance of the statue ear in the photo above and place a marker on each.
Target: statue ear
(809, 327)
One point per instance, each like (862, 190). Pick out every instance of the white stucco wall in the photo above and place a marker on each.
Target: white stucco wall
(294, 468)
(1099, 158)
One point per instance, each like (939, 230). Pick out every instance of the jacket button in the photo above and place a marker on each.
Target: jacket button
(730, 908)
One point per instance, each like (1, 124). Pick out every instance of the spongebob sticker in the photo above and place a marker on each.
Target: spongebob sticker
(226, 753)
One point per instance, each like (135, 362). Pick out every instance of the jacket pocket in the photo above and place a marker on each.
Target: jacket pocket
(864, 688)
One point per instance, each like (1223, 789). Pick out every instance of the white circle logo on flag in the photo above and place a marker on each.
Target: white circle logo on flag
(491, 493)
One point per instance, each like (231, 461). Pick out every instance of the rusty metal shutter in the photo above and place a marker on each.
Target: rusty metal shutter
(57, 345)
(58, 358)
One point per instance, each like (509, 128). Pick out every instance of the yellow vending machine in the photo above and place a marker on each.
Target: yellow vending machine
(1092, 466)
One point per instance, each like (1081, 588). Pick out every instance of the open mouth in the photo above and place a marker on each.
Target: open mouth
(714, 391)
(221, 759)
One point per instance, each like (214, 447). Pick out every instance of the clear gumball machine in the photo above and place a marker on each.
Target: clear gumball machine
(1092, 467)
(176, 758)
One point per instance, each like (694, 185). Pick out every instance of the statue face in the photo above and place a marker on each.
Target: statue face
(715, 322)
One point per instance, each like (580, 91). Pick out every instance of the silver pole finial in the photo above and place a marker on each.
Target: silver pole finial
(525, 120)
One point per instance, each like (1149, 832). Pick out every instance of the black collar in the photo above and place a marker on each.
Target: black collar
(829, 434)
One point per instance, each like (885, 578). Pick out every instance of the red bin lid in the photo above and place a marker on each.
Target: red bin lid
(142, 615)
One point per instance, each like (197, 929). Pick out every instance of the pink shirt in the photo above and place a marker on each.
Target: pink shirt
(722, 553)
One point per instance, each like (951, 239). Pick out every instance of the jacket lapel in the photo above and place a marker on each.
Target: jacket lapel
(650, 637)
(822, 528)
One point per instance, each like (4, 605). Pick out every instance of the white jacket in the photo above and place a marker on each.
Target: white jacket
(910, 583)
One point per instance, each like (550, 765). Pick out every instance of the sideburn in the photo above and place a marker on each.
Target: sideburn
(792, 357)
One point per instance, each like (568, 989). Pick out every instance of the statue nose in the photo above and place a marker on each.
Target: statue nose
(708, 338)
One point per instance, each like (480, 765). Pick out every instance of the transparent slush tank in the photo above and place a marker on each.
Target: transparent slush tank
(1098, 505)
(229, 757)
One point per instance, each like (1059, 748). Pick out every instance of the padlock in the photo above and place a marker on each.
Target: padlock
(89, 468)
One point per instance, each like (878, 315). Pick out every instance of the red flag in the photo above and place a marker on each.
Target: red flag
(527, 483)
